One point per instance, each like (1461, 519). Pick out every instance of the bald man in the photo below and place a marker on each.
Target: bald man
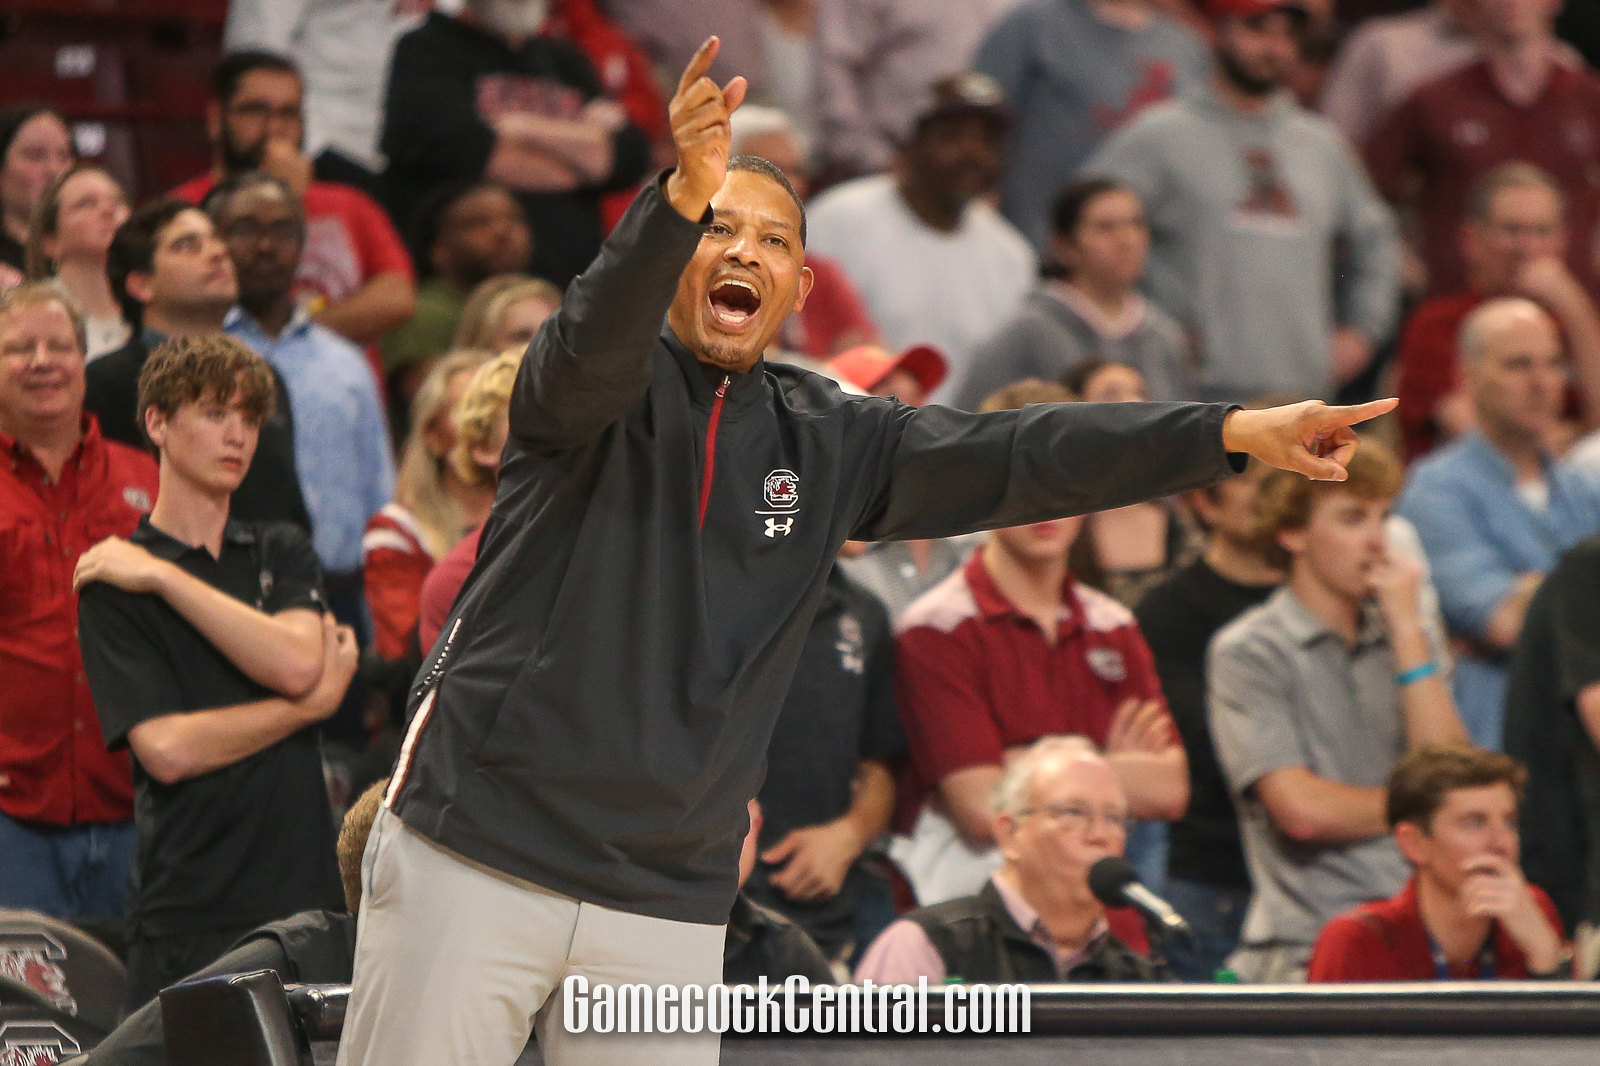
(1495, 509)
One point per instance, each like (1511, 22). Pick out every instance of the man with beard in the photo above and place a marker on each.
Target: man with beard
(933, 262)
(355, 275)
(1250, 198)
(341, 434)
(569, 801)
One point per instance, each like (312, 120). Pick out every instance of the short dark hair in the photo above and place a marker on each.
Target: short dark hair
(427, 220)
(232, 67)
(756, 164)
(189, 369)
(1422, 779)
(1066, 214)
(216, 201)
(133, 249)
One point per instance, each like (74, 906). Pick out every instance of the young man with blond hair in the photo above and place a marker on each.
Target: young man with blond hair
(211, 659)
(1312, 697)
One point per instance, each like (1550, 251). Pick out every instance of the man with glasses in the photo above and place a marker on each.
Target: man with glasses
(1057, 811)
(1514, 242)
(354, 275)
(341, 437)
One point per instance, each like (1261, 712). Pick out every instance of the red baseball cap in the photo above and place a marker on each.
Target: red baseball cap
(867, 365)
(1221, 9)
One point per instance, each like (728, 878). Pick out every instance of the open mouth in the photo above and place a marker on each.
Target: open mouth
(734, 303)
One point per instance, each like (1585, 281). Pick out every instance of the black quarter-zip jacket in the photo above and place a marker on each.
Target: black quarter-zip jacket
(596, 712)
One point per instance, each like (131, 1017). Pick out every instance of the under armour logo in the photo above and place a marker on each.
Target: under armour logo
(777, 528)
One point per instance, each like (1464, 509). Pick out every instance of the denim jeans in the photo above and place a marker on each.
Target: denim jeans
(1216, 915)
(65, 871)
(1146, 848)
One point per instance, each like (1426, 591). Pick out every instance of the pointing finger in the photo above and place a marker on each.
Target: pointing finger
(1349, 416)
(699, 63)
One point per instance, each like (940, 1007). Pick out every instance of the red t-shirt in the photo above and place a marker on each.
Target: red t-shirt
(1453, 130)
(1426, 362)
(1385, 940)
(442, 585)
(53, 759)
(975, 676)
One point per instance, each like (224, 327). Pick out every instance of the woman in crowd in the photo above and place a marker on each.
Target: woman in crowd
(481, 428)
(72, 229)
(505, 312)
(35, 149)
(1087, 308)
(433, 507)
(1125, 551)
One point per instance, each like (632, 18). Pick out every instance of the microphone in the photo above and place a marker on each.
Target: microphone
(1115, 882)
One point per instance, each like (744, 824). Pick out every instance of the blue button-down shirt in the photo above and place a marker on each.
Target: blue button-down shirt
(1479, 536)
(341, 437)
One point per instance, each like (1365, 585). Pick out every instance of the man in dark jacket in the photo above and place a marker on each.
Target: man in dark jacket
(570, 796)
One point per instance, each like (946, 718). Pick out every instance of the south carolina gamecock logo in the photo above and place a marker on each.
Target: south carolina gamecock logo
(34, 959)
(781, 490)
(35, 1044)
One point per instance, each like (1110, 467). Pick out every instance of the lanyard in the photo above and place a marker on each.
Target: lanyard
(1441, 964)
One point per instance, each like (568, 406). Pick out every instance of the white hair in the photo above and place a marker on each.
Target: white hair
(1011, 794)
(751, 121)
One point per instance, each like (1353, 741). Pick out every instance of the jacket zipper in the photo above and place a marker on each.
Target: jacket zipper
(711, 447)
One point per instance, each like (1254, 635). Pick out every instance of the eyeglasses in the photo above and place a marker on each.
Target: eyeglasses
(255, 109)
(1079, 819)
(249, 232)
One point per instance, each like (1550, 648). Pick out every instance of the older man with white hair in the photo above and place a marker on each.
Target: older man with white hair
(1495, 509)
(1058, 810)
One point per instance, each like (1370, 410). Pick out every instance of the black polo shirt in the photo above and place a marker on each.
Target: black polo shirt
(245, 844)
(840, 709)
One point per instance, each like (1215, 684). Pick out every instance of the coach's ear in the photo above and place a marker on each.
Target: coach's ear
(807, 279)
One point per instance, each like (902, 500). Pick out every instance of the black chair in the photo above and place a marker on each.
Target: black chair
(246, 1014)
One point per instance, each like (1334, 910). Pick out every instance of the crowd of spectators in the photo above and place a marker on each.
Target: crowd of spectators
(1321, 718)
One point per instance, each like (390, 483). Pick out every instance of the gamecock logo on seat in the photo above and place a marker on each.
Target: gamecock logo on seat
(35, 960)
(35, 1044)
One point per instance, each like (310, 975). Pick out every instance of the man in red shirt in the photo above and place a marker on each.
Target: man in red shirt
(1004, 651)
(1514, 242)
(66, 804)
(1520, 101)
(355, 275)
(1467, 913)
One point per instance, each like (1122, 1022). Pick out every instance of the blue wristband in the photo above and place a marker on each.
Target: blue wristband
(1417, 673)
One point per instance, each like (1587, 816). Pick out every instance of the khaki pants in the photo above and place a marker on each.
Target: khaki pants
(457, 964)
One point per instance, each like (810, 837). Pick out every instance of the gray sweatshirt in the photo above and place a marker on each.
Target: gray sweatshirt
(1047, 338)
(1072, 78)
(1266, 235)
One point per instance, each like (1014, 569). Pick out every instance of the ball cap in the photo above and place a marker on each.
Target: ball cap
(967, 93)
(866, 366)
(1221, 9)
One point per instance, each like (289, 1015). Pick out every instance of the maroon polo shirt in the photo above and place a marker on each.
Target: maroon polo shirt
(53, 761)
(1453, 130)
(975, 676)
(1385, 940)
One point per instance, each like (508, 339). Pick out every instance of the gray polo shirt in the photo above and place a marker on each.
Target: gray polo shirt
(1284, 690)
